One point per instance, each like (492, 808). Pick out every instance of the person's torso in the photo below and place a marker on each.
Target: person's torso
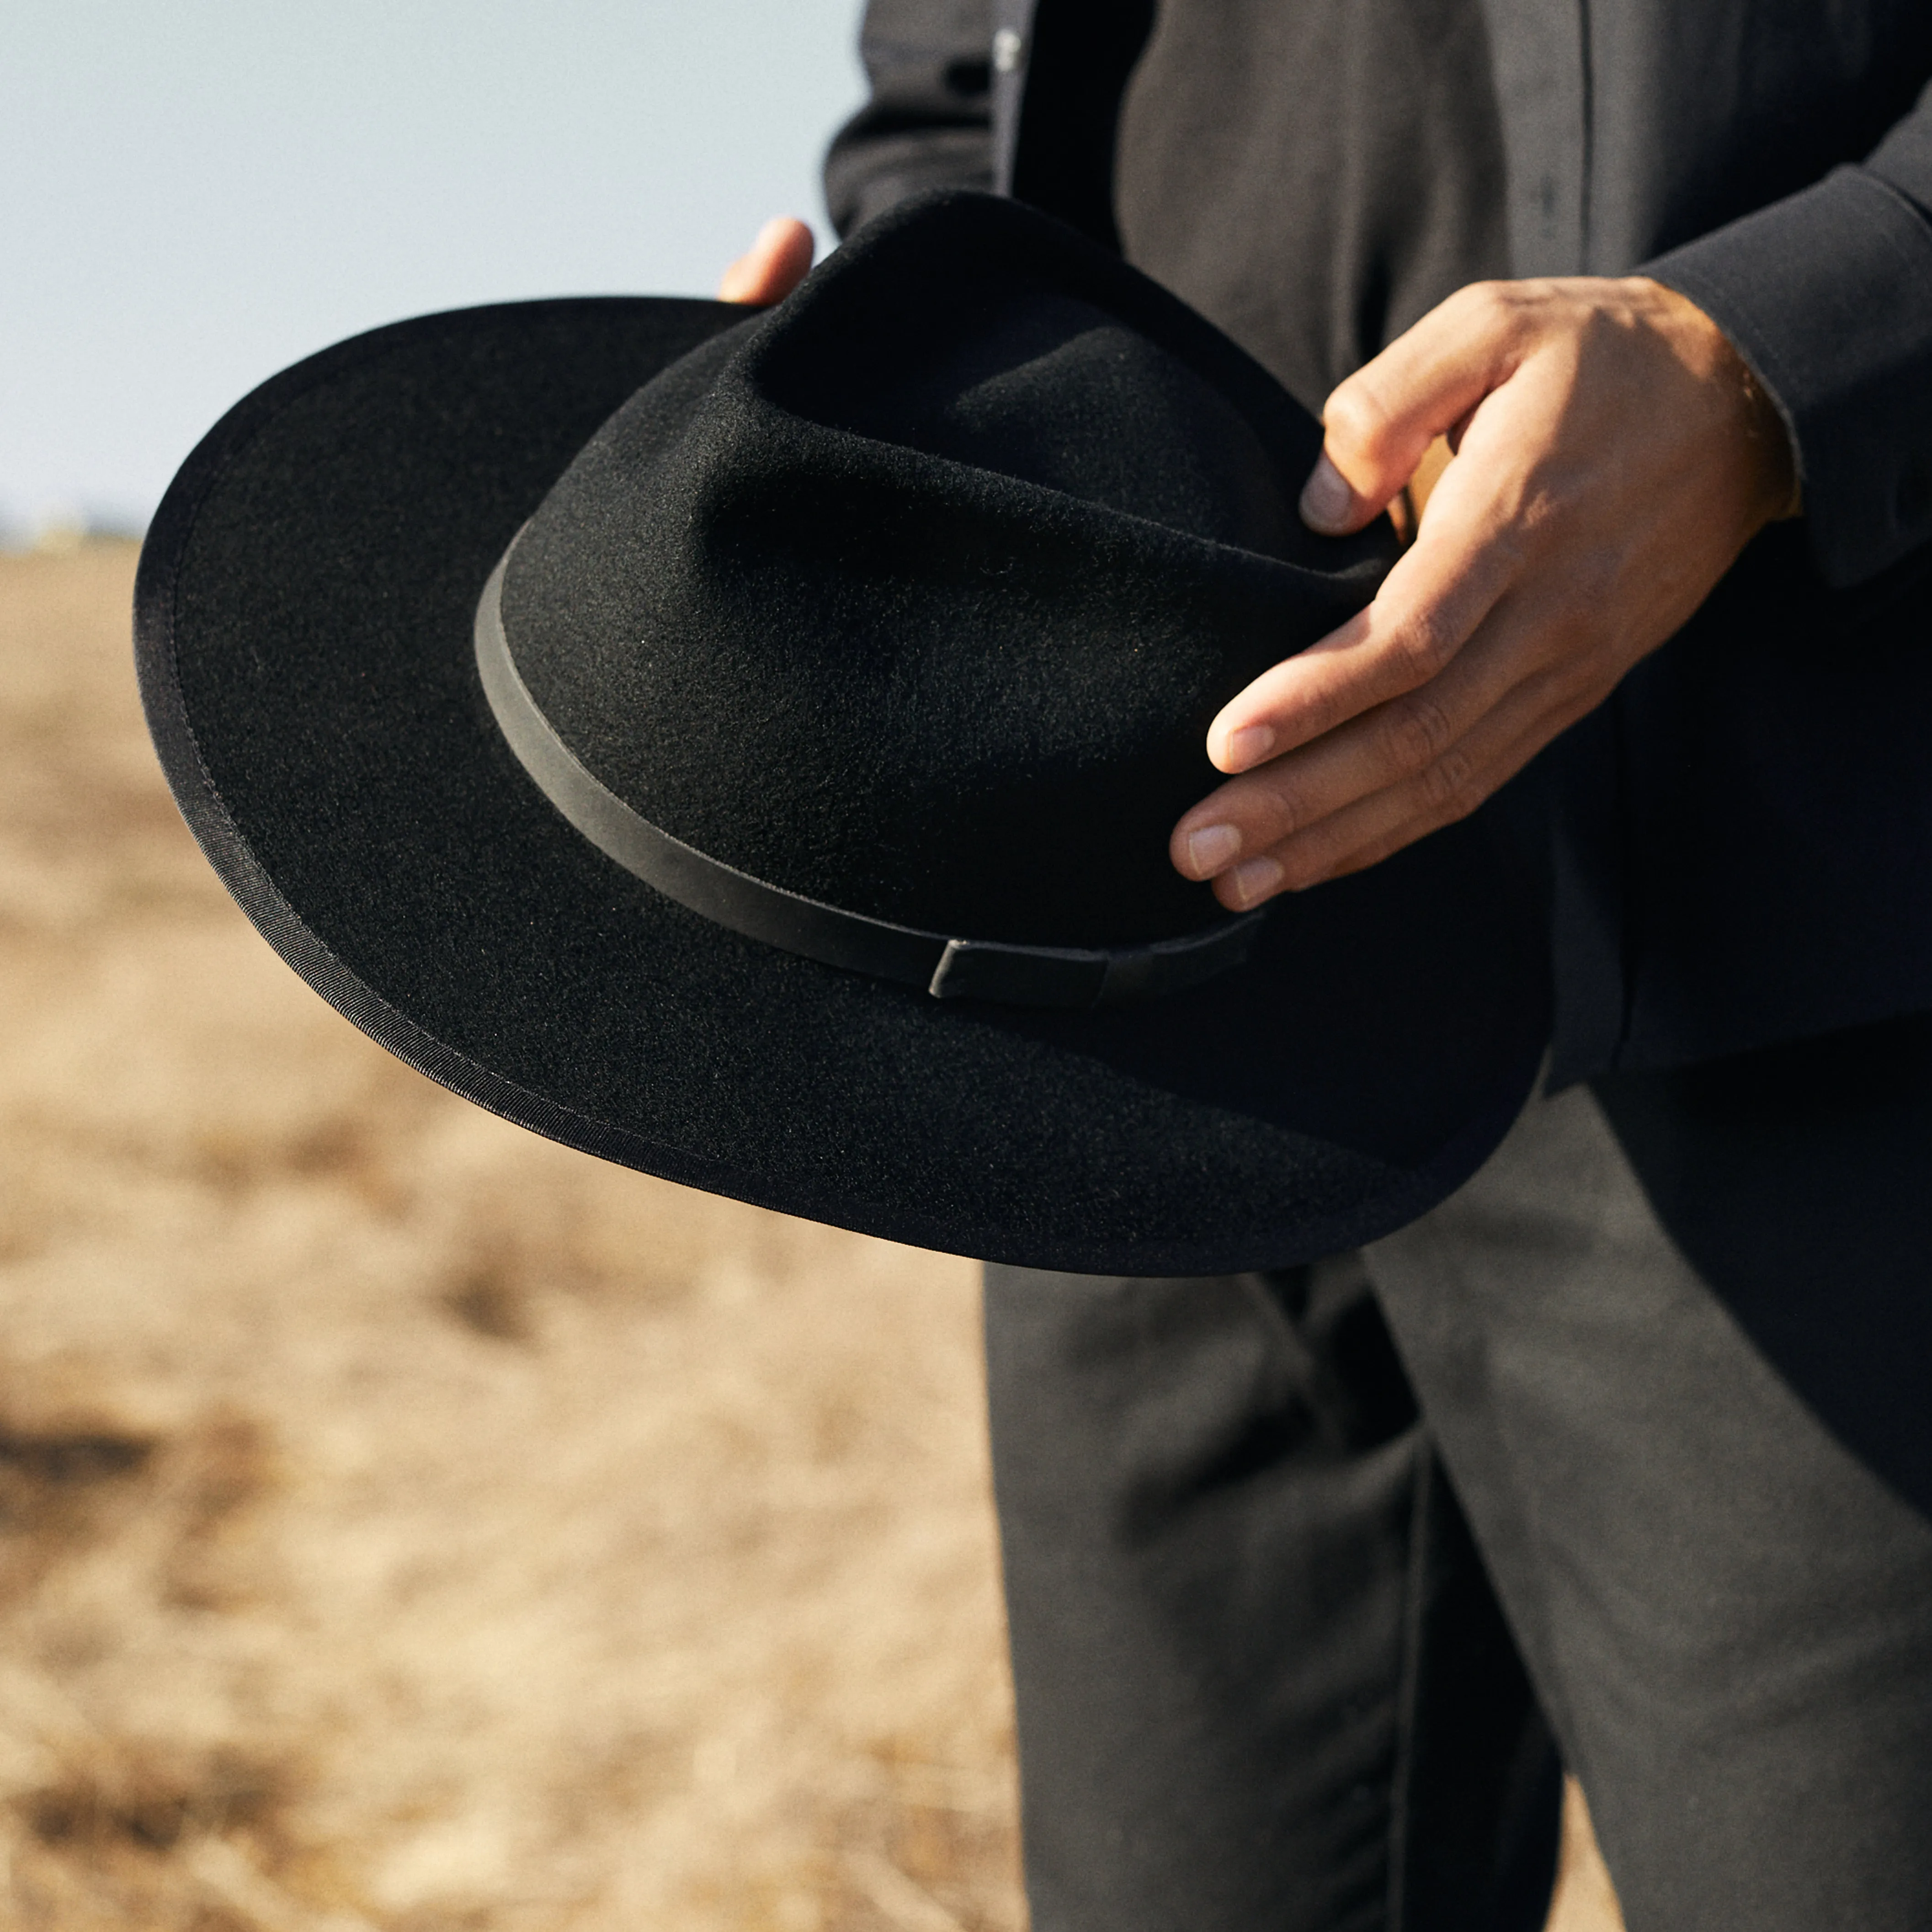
(1314, 175)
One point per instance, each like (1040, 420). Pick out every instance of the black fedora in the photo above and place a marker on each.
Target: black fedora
(744, 746)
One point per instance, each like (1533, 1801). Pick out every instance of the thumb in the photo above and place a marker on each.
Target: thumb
(1378, 425)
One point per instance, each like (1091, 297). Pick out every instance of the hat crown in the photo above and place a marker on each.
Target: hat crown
(1052, 389)
(916, 594)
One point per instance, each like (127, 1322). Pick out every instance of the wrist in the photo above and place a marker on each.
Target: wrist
(1763, 438)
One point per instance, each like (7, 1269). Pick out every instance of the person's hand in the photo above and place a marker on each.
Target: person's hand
(776, 263)
(1612, 458)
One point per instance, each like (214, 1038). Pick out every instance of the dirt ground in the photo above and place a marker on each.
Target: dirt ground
(405, 1523)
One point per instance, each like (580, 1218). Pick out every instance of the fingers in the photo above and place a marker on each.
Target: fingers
(1379, 424)
(1432, 602)
(1404, 718)
(1421, 752)
(1414, 763)
(776, 262)
(1422, 732)
(1438, 791)
(1366, 836)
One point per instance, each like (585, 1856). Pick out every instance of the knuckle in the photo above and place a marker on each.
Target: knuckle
(1307, 861)
(1356, 417)
(1449, 786)
(1414, 732)
(1283, 811)
(1498, 309)
(1421, 647)
(1488, 301)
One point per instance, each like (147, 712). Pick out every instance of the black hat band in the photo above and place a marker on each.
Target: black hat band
(945, 967)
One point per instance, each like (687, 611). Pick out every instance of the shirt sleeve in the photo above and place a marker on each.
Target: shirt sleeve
(1828, 296)
(929, 123)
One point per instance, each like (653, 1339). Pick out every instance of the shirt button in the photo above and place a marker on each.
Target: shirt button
(1007, 47)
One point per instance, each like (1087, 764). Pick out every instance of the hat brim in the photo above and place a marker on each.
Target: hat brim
(303, 634)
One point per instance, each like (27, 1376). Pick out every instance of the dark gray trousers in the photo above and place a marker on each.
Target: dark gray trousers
(1286, 1555)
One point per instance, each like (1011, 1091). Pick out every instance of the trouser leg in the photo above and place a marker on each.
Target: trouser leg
(1728, 1617)
(1261, 1680)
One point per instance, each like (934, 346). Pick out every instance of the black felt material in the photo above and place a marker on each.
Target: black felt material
(303, 628)
(917, 596)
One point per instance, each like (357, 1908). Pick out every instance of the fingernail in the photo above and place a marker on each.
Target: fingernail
(1211, 847)
(1254, 879)
(1248, 746)
(1326, 498)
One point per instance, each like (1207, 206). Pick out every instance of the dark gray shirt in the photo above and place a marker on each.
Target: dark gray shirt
(1313, 178)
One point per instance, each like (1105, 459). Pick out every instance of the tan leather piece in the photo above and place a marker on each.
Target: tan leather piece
(1405, 512)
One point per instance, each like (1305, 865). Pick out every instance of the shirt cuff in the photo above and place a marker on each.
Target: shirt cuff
(1828, 296)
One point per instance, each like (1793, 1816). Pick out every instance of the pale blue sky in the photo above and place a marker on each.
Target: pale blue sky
(194, 194)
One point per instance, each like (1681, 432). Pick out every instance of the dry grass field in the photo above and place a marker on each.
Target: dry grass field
(405, 1523)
